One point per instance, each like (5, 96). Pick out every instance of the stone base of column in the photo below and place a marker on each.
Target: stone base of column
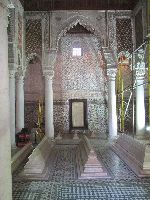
(112, 137)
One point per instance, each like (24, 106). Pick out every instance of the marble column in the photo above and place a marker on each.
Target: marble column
(5, 144)
(19, 101)
(112, 114)
(49, 125)
(140, 106)
(12, 106)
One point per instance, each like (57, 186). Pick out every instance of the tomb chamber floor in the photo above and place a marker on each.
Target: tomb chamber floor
(63, 183)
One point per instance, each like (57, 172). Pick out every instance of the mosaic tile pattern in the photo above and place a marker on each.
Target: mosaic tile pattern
(123, 185)
(61, 117)
(64, 167)
(81, 72)
(108, 190)
(80, 78)
(97, 118)
(104, 190)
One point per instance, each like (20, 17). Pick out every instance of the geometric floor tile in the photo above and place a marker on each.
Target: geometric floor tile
(63, 185)
(106, 191)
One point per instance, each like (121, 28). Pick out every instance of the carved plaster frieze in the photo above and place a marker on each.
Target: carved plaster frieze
(123, 14)
(32, 15)
(57, 23)
(111, 73)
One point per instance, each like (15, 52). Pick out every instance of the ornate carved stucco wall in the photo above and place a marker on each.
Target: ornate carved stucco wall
(56, 23)
(72, 76)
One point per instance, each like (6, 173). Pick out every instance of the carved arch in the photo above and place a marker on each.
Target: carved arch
(83, 21)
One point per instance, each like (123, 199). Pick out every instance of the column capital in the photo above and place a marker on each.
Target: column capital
(12, 74)
(49, 74)
(20, 74)
(140, 73)
(111, 73)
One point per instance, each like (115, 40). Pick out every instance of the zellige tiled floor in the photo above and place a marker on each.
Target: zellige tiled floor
(64, 185)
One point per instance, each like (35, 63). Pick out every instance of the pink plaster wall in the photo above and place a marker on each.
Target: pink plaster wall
(34, 82)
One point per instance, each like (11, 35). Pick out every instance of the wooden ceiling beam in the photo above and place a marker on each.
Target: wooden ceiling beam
(47, 5)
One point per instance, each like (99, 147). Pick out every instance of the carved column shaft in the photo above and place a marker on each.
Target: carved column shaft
(49, 126)
(112, 115)
(5, 145)
(19, 102)
(12, 106)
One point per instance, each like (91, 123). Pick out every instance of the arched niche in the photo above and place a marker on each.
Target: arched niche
(33, 90)
(34, 80)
